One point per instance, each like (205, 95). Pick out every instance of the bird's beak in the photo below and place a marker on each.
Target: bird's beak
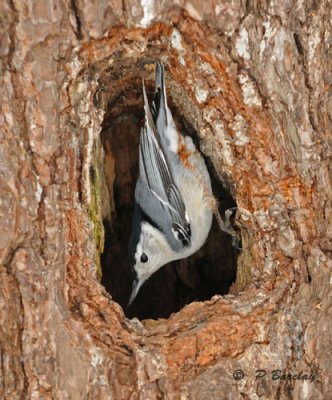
(136, 287)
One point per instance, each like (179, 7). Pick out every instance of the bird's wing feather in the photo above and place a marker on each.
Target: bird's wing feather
(156, 176)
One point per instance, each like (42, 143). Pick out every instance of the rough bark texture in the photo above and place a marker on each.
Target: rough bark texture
(254, 80)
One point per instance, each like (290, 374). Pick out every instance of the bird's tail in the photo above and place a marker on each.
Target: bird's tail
(162, 115)
(159, 104)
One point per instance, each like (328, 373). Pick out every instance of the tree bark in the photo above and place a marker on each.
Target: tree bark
(253, 80)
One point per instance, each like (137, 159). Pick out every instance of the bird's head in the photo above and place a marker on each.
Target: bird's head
(149, 252)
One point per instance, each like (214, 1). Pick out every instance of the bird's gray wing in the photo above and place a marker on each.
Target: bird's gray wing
(155, 175)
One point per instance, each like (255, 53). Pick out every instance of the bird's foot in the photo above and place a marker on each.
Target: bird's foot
(226, 226)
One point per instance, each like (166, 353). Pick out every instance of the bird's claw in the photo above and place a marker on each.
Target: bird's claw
(236, 242)
(226, 226)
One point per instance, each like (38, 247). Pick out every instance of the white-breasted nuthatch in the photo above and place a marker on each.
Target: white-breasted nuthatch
(173, 196)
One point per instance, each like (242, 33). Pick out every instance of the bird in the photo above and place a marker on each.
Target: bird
(174, 203)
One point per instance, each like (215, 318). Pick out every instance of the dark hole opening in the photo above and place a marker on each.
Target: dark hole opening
(210, 271)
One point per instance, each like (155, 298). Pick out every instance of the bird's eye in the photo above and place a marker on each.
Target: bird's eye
(144, 258)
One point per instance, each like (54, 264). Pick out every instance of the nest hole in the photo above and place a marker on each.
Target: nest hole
(210, 271)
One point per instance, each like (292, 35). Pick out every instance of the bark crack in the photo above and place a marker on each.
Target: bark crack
(20, 324)
(78, 30)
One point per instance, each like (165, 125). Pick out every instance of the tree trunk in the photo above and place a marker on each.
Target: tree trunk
(252, 84)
